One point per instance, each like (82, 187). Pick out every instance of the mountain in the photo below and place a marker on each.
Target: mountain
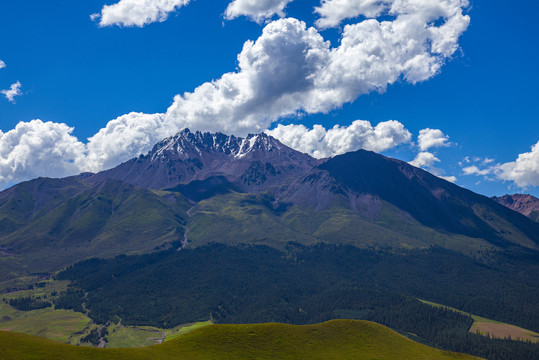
(364, 199)
(432, 201)
(197, 188)
(525, 204)
(257, 163)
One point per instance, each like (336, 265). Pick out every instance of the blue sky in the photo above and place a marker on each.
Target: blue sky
(471, 93)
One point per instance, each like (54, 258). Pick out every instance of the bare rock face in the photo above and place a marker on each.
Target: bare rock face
(525, 204)
(256, 163)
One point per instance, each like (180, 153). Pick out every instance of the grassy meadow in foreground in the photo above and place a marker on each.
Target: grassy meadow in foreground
(338, 339)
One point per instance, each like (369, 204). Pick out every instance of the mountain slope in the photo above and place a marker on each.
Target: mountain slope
(31, 199)
(104, 219)
(340, 339)
(430, 200)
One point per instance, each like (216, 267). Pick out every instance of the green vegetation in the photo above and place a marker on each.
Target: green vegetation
(503, 331)
(53, 323)
(474, 317)
(120, 336)
(74, 327)
(343, 339)
(180, 330)
(380, 260)
(29, 303)
(130, 336)
(57, 325)
(259, 284)
(47, 224)
(234, 217)
(302, 285)
(493, 328)
(20, 205)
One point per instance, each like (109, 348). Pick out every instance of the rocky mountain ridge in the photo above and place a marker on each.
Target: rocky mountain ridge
(255, 163)
(525, 204)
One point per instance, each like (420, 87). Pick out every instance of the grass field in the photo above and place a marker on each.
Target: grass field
(57, 325)
(70, 327)
(127, 336)
(140, 336)
(338, 339)
(503, 331)
(183, 329)
(492, 328)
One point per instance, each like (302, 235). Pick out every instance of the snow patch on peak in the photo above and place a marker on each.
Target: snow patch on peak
(252, 141)
(186, 144)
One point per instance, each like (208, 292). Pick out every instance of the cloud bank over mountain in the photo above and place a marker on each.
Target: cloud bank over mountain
(320, 142)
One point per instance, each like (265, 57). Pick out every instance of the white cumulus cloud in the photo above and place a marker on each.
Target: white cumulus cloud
(257, 10)
(14, 90)
(277, 77)
(333, 12)
(425, 159)
(291, 69)
(524, 171)
(320, 142)
(124, 138)
(474, 170)
(429, 138)
(39, 148)
(2, 64)
(137, 12)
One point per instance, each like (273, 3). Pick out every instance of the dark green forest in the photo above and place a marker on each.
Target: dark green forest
(302, 285)
(29, 303)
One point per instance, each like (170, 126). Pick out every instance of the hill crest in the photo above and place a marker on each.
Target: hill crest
(337, 339)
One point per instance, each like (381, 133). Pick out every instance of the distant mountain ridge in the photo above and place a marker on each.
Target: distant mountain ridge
(196, 188)
(525, 204)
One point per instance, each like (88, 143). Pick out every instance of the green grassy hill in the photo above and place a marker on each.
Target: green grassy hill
(338, 339)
